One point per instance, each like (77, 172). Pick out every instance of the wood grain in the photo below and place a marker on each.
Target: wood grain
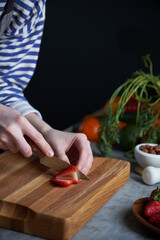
(31, 204)
(138, 169)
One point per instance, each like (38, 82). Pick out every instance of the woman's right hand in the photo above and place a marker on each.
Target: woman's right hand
(13, 129)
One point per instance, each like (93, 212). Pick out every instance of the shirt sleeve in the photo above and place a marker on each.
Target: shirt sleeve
(19, 49)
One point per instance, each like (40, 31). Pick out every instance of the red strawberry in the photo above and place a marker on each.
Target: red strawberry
(63, 183)
(152, 208)
(155, 217)
(66, 177)
(155, 194)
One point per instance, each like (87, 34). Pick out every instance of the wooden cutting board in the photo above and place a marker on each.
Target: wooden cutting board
(29, 203)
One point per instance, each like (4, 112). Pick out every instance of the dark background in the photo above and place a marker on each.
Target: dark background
(88, 49)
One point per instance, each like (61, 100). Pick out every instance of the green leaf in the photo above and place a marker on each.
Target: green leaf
(141, 84)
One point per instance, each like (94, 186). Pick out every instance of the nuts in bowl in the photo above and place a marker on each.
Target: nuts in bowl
(147, 154)
(150, 149)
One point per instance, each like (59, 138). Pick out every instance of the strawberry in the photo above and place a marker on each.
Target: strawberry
(67, 176)
(154, 218)
(61, 182)
(155, 195)
(152, 208)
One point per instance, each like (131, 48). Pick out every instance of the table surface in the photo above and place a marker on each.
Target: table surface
(115, 220)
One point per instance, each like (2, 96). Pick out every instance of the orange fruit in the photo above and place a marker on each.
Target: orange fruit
(114, 105)
(121, 125)
(90, 127)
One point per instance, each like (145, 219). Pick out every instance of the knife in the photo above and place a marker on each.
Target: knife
(58, 165)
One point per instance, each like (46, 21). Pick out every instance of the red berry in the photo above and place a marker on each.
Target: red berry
(155, 217)
(152, 208)
(66, 177)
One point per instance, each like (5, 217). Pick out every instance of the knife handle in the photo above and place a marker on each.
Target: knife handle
(35, 149)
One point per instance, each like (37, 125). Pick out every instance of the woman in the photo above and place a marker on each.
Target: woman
(22, 128)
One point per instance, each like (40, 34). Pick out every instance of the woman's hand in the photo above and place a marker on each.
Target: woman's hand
(13, 129)
(71, 147)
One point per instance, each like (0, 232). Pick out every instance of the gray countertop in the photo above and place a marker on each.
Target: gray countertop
(115, 220)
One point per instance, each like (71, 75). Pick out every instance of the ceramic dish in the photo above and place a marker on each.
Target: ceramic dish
(138, 209)
(146, 159)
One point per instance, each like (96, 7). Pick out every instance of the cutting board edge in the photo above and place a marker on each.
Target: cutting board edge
(39, 226)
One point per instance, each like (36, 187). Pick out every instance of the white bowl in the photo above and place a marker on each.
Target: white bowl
(146, 159)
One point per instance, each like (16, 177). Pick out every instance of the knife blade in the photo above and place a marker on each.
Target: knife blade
(58, 165)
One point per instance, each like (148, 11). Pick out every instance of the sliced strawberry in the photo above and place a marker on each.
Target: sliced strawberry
(66, 177)
(63, 183)
(69, 173)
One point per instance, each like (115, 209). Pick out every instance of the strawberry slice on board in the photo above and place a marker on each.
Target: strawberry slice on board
(63, 183)
(66, 177)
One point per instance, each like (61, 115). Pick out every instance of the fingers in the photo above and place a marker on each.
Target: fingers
(23, 145)
(15, 142)
(59, 153)
(73, 148)
(36, 151)
(12, 138)
(3, 146)
(85, 153)
(7, 142)
(37, 138)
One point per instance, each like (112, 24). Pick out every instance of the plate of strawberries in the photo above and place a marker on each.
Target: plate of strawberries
(147, 210)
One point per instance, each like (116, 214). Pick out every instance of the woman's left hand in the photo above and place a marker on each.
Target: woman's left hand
(70, 147)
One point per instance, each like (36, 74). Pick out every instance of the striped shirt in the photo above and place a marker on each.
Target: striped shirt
(19, 49)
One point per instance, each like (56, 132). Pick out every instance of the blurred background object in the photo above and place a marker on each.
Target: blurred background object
(87, 51)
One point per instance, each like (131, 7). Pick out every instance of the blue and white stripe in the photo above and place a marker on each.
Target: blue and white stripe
(19, 49)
